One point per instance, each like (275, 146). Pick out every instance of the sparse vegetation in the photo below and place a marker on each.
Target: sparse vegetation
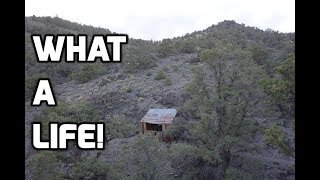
(160, 75)
(138, 58)
(129, 89)
(232, 174)
(119, 127)
(168, 81)
(166, 48)
(148, 157)
(31, 85)
(49, 164)
(149, 73)
(175, 68)
(87, 73)
(89, 168)
(45, 165)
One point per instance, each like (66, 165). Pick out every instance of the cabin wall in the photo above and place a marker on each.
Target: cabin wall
(144, 128)
(162, 135)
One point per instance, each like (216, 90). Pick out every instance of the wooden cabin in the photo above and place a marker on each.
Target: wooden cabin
(157, 121)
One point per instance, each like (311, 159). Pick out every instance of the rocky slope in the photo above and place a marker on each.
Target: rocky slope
(109, 94)
(133, 94)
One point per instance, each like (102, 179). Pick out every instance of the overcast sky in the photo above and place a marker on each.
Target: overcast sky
(158, 19)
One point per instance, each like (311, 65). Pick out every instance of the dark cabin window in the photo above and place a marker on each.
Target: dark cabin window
(154, 127)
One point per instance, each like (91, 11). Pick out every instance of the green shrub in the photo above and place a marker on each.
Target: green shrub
(79, 112)
(147, 157)
(87, 73)
(175, 68)
(160, 75)
(129, 89)
(275, 136)
(168, 82)
(186, 159)
(65, 69)
(45, 165)
(55, 165)
(90, 168)
(31, 84)
(165, 48)
(149, 73)
(232, 174)
(187, 46)
(119, 127)
(136, 59)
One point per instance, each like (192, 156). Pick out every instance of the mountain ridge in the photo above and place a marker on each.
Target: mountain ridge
(224, 23)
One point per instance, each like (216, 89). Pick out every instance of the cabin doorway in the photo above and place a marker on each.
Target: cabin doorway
(153, 127)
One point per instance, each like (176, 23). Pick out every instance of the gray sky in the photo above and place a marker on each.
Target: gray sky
(158, 19)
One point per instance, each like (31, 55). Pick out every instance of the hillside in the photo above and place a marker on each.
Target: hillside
(224, 74)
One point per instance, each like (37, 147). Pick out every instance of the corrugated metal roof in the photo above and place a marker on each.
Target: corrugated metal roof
(159, 116)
